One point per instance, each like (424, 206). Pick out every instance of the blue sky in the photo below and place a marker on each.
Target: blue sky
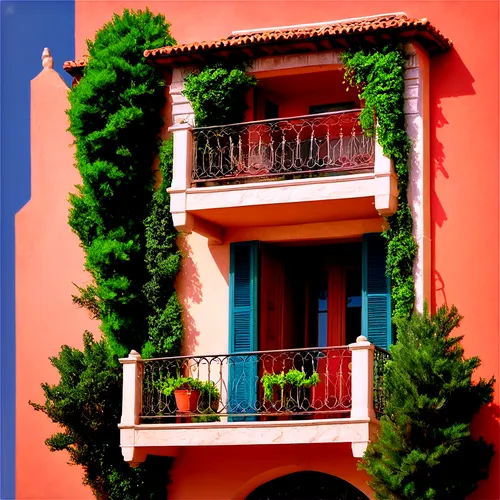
(26, 27)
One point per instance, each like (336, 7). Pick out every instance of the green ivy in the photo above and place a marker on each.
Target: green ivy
(379, 75)
(218, 94)
(163, 260)
(130, 248)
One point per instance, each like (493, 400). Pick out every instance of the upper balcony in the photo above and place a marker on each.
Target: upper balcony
(304, 147)
(308, 395)
(300, 157)
(310, 168)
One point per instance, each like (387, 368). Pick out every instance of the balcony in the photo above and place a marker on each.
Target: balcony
(264, 172)
(321, 145)
(311, 395)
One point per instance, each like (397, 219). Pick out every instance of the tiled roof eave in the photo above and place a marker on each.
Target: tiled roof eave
(399, 27)
(338, 35)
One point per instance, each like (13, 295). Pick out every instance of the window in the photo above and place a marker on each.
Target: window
(330, 108)
(287, 298)
(314, 304)
(309, 296)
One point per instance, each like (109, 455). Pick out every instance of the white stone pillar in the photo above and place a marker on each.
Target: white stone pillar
(362, 379)
(387, 203)
(182, 111)
(181, 175)
(132, 389)
(182, 130)
(417, 125)
(133, 371)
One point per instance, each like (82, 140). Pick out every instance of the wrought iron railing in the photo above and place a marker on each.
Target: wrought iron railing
(312, 145)
(263, 385)
(380, 358)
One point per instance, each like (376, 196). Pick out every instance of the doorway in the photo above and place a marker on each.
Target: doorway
(307, 485)
(310, 296)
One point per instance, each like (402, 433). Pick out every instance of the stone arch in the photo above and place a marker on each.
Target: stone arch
(307, 485)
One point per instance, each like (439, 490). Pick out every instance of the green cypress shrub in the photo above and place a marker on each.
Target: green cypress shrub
(115, 119)
(425, 449)
(130, 249)
(86, 404)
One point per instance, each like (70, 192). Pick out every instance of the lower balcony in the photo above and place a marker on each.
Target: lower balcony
(311, 395)
(296, 170)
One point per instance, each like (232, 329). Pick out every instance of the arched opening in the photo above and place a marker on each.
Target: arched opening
(307, 485)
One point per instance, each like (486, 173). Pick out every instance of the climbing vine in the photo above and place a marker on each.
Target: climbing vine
(130, 250)
(379, 75)
(424, 448)
(163, 261)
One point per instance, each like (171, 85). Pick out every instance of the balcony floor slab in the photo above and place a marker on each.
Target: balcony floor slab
(358, 432)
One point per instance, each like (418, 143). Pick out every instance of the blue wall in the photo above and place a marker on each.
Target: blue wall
(26, 27)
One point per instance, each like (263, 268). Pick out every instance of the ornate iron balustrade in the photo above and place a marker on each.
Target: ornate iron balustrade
(312, 145)
(380, 358)
(232, 386)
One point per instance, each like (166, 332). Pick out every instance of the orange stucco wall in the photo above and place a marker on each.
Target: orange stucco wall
(238, 471)
(464, 149)
(48, 262)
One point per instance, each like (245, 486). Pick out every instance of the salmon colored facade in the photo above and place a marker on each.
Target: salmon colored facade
(460, 264)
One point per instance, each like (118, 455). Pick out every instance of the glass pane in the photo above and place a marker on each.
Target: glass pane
(353, 305)
(319, 309)
(322, 329)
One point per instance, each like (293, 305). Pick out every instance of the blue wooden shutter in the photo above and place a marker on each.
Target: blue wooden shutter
(376, 297)
(243, 321)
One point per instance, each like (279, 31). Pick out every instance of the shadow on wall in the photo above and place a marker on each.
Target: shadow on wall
(191, 287)
(450, 78)
(220, 254)
(191, 294)
(438, 289)
(489, 419)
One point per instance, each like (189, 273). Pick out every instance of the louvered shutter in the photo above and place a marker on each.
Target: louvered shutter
(243, 321)
(376, 298)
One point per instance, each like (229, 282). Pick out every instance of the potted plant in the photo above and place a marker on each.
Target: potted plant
(285, 382)
(298, 382)
(192, 395)
(186, 391)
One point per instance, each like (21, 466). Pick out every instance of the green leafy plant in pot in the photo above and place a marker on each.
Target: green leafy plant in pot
(192, 395)
(285, 382)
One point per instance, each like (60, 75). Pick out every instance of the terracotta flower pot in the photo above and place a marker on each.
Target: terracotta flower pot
(187, 400)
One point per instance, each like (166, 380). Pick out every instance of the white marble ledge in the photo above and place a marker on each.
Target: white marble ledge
(358, 432)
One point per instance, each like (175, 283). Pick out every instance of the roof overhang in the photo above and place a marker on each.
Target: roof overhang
(371, 31)
(331, 35)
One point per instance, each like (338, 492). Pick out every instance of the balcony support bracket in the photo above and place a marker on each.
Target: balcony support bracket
(187, 223)
(358, 449)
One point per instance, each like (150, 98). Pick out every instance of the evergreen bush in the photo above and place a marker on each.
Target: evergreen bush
(115, 119)
(218, 93)
(86, 404)
(130, 252)
(425, 449)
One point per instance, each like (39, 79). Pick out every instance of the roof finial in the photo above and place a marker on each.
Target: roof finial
(47, 59)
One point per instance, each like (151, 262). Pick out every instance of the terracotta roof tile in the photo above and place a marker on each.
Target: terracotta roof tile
(75, 67)
(395, 23)
(399, 26)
